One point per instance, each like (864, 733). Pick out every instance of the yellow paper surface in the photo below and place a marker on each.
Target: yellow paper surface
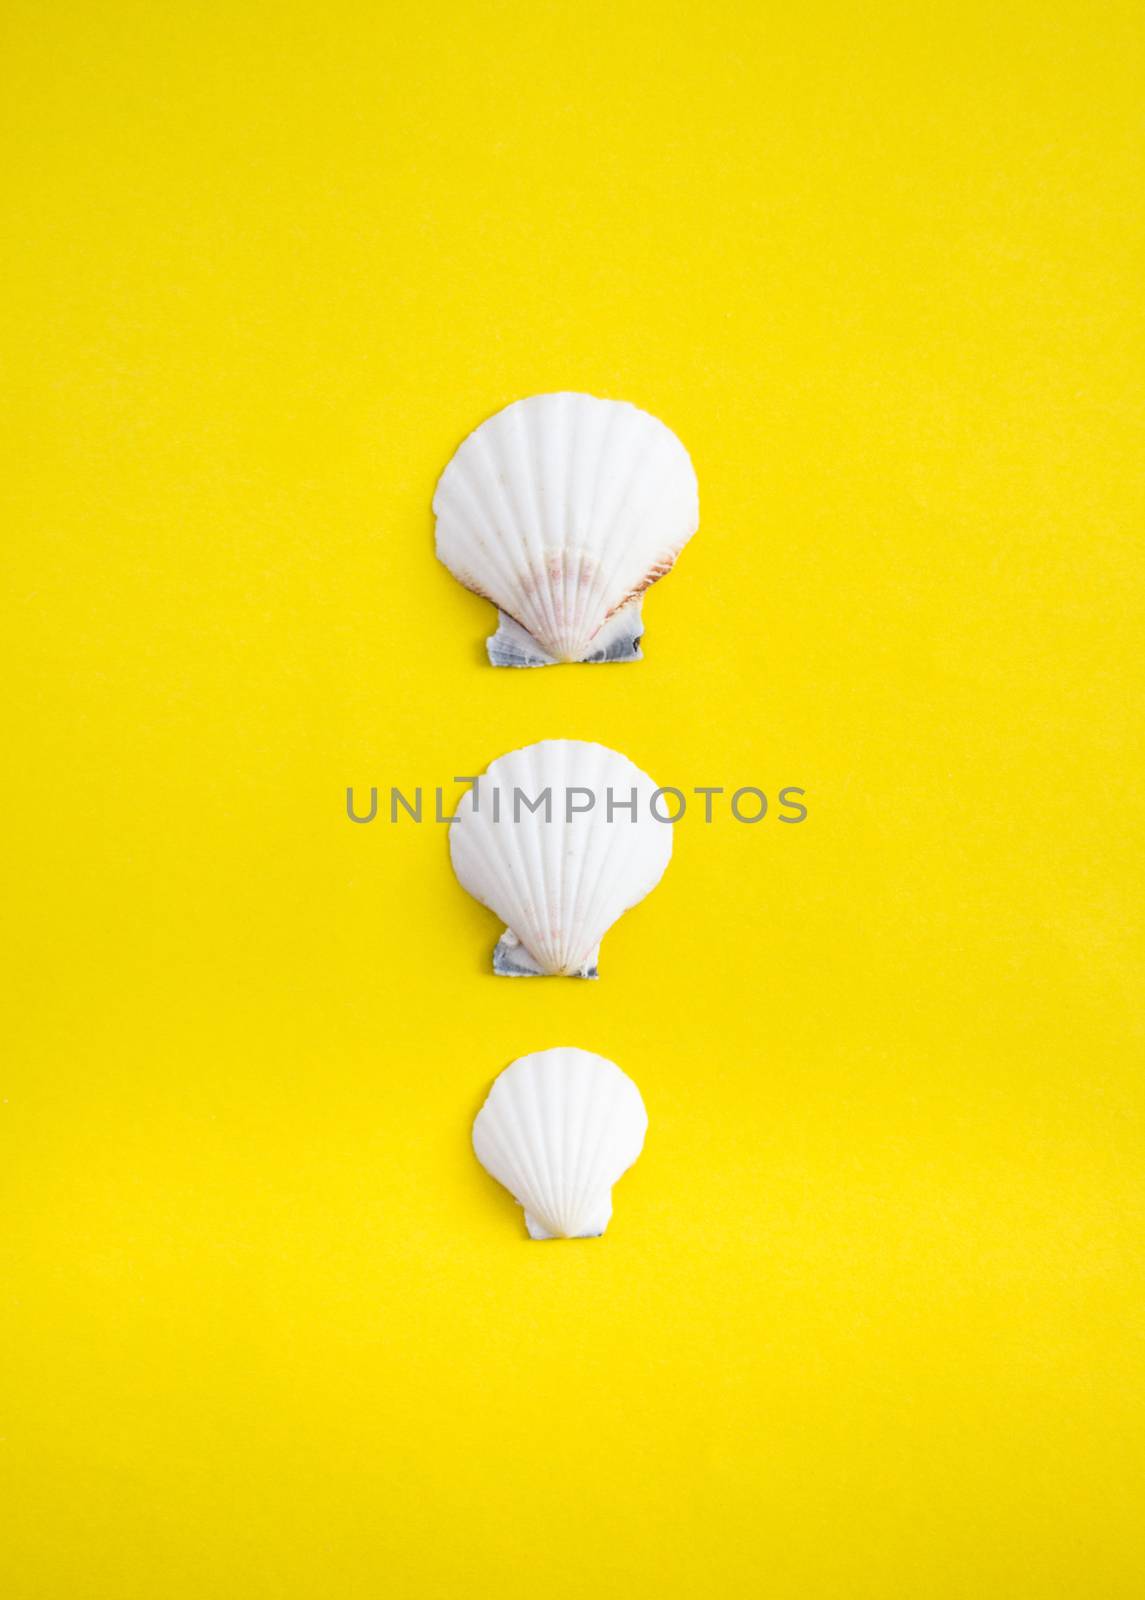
(866, 1324)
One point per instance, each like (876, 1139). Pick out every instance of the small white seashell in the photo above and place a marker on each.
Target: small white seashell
(558, 1129)
(559, 839)
(562, 509)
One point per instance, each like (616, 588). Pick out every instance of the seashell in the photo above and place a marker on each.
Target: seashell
(562, 509)
(558, 1129)
(559, 839)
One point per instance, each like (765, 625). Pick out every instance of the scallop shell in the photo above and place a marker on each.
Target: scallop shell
(562, 509)
(558, 1129)
(559, 872)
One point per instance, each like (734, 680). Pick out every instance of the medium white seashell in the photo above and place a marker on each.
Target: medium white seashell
(559, 873)
(558, 1129)
(562, 509)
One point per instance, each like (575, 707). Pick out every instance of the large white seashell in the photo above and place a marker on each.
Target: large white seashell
(562, 509)
(558, 1129)
(550, 840)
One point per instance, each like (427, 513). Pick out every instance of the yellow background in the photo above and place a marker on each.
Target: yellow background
(867, 1321)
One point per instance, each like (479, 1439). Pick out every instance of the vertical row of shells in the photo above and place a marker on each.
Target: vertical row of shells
(562, 510)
